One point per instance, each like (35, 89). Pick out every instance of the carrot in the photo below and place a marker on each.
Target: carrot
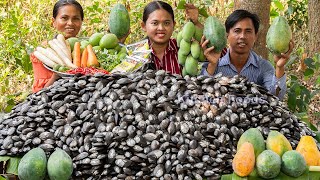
(84, 58)
(92, 58)
(76, 54)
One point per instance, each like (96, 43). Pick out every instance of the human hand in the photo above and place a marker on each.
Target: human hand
(210, 53)
(281, 60)
(192, 13)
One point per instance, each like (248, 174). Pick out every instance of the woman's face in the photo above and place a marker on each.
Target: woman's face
(159, 26)
(68, 21)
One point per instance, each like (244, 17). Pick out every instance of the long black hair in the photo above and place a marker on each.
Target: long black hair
(155, 5)
(239, 15)
(62, 3)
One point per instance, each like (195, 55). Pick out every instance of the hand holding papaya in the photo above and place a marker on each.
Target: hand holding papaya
(211, 55)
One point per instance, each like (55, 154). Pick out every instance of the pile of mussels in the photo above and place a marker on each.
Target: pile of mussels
(146, 125)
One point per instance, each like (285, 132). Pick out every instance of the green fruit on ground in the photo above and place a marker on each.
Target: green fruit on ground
(119, 21)
(198, 34)
(33, 165)
(95, 39)
(185, 47)
(181, 58)
(195, 49)
(59, 165)
(293, 163)
(268, 164)
(179, 38)
(108, 41)
(278, 143)
(279, 35)
(188, 31)
(202, 57)
(191, 66)
(253, 136)
(215, 32)
(72, 41)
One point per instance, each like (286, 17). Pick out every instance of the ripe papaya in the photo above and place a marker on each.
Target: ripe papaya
(278, 143)
(215, 32)
(278, 36)
(254, 136)
(244, 160)
(268, 164)
(293, 163)
(188, 31)
(119, 21)
(308, 148)
(33, 165)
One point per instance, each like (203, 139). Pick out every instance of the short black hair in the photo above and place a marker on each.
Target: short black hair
(239, 15)
(62, 3)
(155, 5)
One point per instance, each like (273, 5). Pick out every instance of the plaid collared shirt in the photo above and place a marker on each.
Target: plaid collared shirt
(169, 61)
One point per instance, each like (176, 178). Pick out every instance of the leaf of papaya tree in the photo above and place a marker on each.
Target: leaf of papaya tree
(318, 80)
(279, 5)
(13, 165)
(203, 12)
(181, 5)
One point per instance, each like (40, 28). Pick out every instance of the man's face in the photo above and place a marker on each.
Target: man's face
(242, 36)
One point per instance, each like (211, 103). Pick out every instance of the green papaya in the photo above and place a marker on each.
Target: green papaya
(95, 39)
(59, 165)
(278, 36)
(215, 32)
(198, 34)
(33, 165)
(195, 49)
(188, 31)
(108, 41)
(191, 66)
(179, 38)
(202, 57)
(119, 21)
(185, 47)
(268, 164)
(254, 136)
(293, 163)
(181, 58)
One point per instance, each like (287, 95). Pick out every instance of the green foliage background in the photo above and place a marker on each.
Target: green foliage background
(25, 24)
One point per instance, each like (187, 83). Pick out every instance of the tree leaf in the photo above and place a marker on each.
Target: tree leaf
(181, 5)
(318, 80)
(279, 5)
(13, 165)
(203, 12)
(309, 62)
(2, 178)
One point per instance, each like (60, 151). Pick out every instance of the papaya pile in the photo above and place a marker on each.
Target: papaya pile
(35, 166)
(274, 158)
(190, 51)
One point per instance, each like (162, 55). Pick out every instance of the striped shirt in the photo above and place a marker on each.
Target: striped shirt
(169, 61)
(257, 70)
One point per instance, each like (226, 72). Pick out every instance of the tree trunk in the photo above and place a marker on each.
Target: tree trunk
(314, 30)
(262, 9)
